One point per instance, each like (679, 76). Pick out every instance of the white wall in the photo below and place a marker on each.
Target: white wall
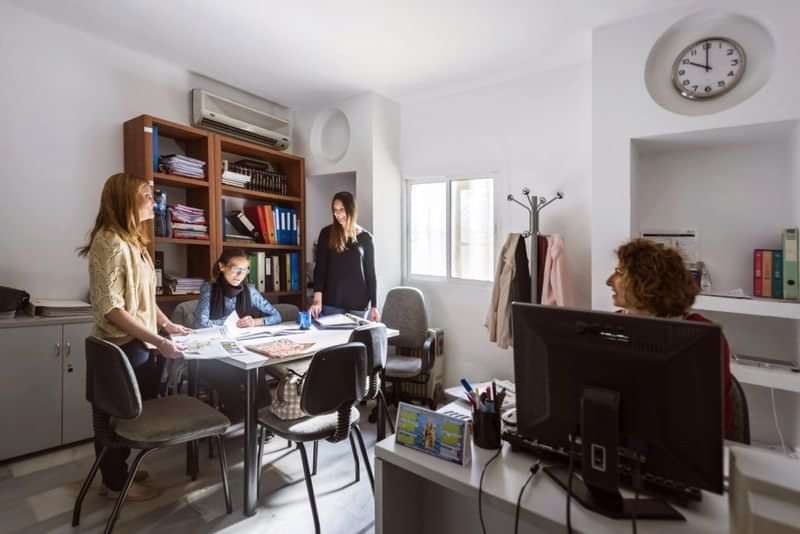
(66, 95)
(632, 188)
(534, 131)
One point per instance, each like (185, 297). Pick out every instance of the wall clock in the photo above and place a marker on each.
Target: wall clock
(708, 68)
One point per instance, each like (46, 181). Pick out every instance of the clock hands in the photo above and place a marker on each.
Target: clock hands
(699, 65)
(708, 67)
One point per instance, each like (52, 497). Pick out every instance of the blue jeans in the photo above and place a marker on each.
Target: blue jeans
(333, 310)
(113, 467)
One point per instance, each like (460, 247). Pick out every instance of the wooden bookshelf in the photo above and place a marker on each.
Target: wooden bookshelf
(183, 241)
(208, 193)
(258, 246)
(231, 191)
(294, 169)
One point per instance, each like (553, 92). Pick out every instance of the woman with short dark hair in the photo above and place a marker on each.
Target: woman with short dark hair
(651, 279)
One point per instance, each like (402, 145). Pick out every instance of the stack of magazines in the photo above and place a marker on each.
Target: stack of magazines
(188, 222)
(183, 165)
(178, 285)
(236, 179)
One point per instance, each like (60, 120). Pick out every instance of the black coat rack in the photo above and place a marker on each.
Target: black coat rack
(536, 205)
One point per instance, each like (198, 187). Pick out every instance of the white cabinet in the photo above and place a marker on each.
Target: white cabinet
(76, 411)
(42, 387)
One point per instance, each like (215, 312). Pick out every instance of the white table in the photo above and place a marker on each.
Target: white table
(249, 364)
(418, 493)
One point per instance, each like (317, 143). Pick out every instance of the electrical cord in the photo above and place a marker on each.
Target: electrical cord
(480, 488)
(534, 471)
(637, 480)
(569, 486)
(777, 424)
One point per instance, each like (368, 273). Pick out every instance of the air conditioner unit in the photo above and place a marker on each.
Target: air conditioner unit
(226, 116)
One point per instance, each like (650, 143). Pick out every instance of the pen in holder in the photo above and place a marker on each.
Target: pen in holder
(486, 429)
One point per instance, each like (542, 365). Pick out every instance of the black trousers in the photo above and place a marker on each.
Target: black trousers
(114, 467)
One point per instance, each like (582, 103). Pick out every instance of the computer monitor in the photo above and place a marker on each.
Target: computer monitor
(650, 389)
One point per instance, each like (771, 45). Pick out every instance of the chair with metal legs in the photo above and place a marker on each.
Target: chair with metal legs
(373, 336)
(334, 383)
(123, 420)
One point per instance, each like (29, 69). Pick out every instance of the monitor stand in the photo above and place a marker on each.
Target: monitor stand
(598, 488)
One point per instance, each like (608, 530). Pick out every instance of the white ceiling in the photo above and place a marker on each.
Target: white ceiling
(314, 52)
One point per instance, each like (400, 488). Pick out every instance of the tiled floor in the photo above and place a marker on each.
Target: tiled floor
(37, 494)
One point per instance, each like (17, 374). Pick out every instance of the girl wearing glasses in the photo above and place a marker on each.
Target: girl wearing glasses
(229, 291)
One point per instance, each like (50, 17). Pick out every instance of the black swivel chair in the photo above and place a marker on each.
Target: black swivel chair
(741, 416)
(373, 336)
(334, 383)
(112, 390)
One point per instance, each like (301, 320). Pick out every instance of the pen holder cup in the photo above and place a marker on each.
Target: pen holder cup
(486, 429)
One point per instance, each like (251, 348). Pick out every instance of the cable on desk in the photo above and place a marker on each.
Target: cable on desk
(534, 471)
(480, 488)
(570, 472)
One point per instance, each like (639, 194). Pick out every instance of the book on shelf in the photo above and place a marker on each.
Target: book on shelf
(183, 166)
(791, 289)
(244, 225)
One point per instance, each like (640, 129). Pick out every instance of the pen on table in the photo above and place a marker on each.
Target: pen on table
(466, 385)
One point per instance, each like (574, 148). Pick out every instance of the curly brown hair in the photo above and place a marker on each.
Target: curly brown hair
(655, 278)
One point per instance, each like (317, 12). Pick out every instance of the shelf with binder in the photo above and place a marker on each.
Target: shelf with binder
(786, 309)
(162, 178)
(228, 190)
(183, 241)
(266, 213)
(257, 246)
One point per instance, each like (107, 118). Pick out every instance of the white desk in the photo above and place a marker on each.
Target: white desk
(421, 494)
(249, 364)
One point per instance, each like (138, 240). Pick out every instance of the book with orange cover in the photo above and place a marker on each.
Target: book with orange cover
(271, 224)
(281, 348)
(254, 214)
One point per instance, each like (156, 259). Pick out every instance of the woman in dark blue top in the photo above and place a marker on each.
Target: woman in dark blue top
(230, 292)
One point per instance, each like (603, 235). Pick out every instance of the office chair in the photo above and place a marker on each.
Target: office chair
(373, 336)
(123, 420)
(334, 383)
(404, 310)
(741, 415)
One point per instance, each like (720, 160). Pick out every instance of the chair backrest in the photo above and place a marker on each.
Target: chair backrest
(335, 379)
(111, 385)
(373, 336)
(289, 312)
(183, 314)
(404, 310)
(741, 416)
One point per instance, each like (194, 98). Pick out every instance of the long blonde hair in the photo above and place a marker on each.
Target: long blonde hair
(340, 235)
(119, 211)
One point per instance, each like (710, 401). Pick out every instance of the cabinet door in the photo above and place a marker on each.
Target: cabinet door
(30, 389)
(77, 412)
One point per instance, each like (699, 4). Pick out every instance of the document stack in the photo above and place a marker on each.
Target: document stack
(59, 308)
(183, 165)
(188, 222)
(235, 179)
(178, 285)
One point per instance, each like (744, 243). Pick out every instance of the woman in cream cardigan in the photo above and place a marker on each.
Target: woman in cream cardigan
(123, 294)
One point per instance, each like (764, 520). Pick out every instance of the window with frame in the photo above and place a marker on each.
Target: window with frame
(450, 228)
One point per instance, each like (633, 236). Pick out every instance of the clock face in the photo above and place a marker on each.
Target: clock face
(708, 68)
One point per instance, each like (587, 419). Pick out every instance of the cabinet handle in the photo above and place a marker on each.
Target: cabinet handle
(58, 350)
(68, 349)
